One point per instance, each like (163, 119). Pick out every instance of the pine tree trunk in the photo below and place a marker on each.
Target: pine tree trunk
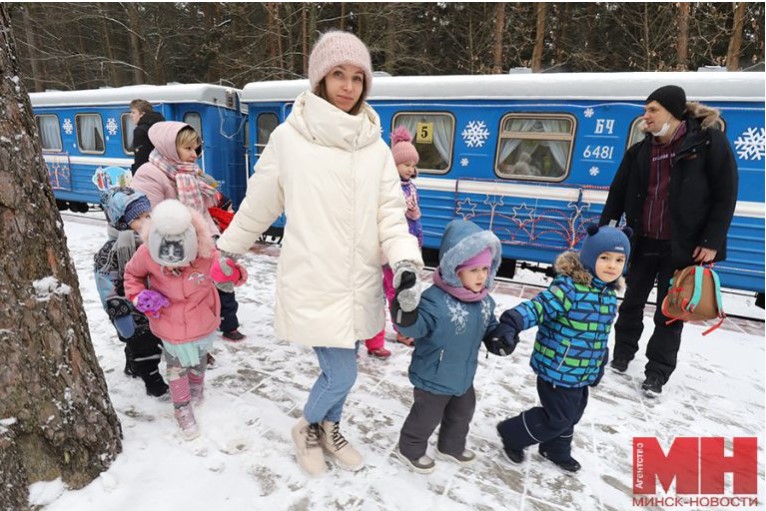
(135, 44)
(735, 43)
(683, 36)
(57, 420)
(537, 54)
(499, 33)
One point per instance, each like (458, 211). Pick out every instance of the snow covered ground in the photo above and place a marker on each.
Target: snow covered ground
(244, 460)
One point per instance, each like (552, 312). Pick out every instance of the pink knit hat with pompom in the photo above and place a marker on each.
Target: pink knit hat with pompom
(401, 146)
(335, 48)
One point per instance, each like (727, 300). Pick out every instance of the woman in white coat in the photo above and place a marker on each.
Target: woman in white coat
(331, 173)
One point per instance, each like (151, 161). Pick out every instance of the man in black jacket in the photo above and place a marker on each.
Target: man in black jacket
(143, 116)
(678, 190)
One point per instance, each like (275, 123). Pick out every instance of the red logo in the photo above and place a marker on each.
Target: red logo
(698, 466)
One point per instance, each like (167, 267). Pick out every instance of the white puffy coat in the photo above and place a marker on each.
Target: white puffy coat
(336, 181)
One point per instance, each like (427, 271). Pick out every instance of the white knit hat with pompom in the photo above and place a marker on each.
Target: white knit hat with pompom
(172, 238)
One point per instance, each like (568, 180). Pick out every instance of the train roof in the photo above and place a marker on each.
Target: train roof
(720, 86)
(176, 93)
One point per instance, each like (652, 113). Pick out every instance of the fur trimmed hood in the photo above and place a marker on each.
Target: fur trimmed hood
(569, 264)
(462, 240)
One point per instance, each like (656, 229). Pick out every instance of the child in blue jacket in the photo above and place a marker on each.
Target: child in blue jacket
(574, 317)
(126, 211)
(449, 324)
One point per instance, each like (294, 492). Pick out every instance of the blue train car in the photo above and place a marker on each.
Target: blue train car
(531, 156)
(83, 131)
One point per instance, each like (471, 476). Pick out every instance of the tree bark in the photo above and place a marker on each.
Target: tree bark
(683, 36)
(735, 43)
(537, 54)
(135, 44)
(497, 60)
(57, 420)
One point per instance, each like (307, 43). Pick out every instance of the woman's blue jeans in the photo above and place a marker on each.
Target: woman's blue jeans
(329, 392)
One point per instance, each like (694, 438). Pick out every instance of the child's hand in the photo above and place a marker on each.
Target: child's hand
(502, 340)
(150, 302)
(226, 273)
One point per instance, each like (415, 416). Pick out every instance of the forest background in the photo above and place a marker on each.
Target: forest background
(86, 45)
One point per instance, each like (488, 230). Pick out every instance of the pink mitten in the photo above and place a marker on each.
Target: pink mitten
(224, 269)
(242, 274)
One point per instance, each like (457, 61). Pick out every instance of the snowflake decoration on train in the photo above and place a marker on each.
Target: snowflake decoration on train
(588, 113)
(466, 209)
(111, 126)
(475, 134)
(67, 126)
(464, 162)
(750, 144)
(593, 171)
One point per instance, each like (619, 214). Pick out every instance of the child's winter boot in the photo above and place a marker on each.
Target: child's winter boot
(333, 441)
(186, 421)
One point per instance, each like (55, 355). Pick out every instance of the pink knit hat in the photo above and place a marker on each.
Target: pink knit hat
(335, 48)
(404, 151)
(483, 258)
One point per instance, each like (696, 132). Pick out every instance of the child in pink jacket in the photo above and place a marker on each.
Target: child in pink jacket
(168, 279)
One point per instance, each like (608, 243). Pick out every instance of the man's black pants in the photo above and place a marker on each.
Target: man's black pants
(651, 260)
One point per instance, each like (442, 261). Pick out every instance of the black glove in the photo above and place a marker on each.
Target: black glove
(399, 316)
(502, 340)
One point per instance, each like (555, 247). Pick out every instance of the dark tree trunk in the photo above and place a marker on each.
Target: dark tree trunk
(735, 43)
(537, 54)
(683, 36)
(136, 49)
(497, 59)
(57, 417)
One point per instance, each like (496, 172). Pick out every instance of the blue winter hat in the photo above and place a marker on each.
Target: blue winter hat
(604, 239)
(123, 205)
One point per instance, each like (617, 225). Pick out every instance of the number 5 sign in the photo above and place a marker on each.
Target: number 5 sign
(425, 133)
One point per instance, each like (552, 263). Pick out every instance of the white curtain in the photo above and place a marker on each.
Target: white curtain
(48, 126)
(442, 135)
(558, 148)
(90, 132)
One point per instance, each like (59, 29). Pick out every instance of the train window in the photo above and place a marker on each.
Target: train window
(127, 133)
(195, 120)
(433, 134)
(90, 133)
(50, 133)
(535, 146)
(266, 124)
(637, 134)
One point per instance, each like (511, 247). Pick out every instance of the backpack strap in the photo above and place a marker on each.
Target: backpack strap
(697, 294)
(718, 301)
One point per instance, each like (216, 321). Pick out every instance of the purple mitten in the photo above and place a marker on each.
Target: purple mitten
(150, 302)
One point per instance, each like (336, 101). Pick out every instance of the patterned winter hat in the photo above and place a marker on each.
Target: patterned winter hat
(604, 239)
(401, 146)
(123, 205)
(172, 238)
(335, 48)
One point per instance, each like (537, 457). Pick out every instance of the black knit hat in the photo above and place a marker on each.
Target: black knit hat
(672, 97)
